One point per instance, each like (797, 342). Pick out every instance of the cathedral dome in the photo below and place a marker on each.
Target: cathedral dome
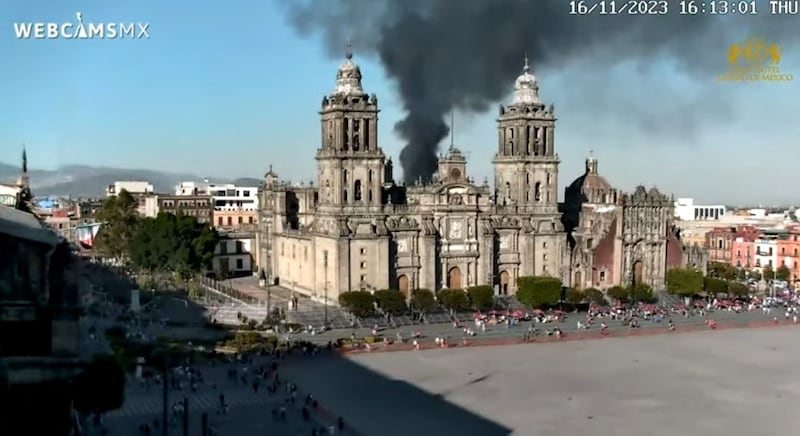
(592, 186)
(348, 77)
(526, 88)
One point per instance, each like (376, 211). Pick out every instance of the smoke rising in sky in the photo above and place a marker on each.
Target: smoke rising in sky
(465, 54)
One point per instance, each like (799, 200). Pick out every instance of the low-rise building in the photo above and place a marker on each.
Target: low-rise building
(132, 186)
(198, 206)
(789, 253)
(743, 251)
(234, 206)
(719, 242)
(686, 210)
(233, 254)
(766, 253)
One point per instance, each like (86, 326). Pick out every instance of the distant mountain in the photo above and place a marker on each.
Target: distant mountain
(89, 181)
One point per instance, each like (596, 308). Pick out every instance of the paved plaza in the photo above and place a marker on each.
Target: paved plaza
(722, 382)
(250, 412)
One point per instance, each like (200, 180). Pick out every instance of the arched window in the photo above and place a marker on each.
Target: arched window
(357, 190)
(344, 176)
(537, 190)
(344, 196)
(369, 196)
(369, 176)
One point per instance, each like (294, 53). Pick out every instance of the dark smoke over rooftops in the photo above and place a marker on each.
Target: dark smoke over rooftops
(465, 54)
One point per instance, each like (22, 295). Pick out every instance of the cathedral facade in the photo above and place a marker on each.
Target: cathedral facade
(355, 228)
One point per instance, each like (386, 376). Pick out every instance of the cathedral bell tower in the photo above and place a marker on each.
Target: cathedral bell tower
(526, 166)
(350, 165)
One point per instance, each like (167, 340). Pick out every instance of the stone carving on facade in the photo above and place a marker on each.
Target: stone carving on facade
(505, 242)
(456, 231)
(470, 230)
(402, 245)
(402, 223)
(456, 200)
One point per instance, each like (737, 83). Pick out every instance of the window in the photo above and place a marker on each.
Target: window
(363, 251)
(602, 276)
(795, 252)
(544, 245)
(230, 221)
(719, 243)
(357, 191)
(589, 243)
(246, 194)
(363, 278)
(738, 253)
(369, 197)
(783, 251)
(250, 220)
(239, 264)
(363, 265)
(241, 220)
(544, 258)
(369, 176)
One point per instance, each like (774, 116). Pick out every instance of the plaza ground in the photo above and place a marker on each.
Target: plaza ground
(723, 382)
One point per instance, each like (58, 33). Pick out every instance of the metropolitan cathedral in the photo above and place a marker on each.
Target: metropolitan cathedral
(356, 228)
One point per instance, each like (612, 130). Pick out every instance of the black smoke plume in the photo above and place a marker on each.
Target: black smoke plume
(465, 54)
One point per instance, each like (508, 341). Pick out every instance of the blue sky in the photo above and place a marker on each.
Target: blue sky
(227, 88)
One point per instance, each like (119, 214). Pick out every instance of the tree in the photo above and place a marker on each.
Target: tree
(174, 243)
(481, 297)
(359, 303)
(391, 301)
(619, 293)
(768, 273)
(453, 299)
(594, 296)
(574, 296)
(755, 275)
(737, 289)
(119, 218)
(713, 285)
(642, 293)
(783, 273)
(423, 300)
(538, 292)
(684, 282)
(101, 387)
(721, 270)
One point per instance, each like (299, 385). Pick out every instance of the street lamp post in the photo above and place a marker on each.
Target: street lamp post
(325, 288)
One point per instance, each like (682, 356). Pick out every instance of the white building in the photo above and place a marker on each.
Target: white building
(233, 257)
(686, 210)
(226, 196)
(766, 253)
(132, 186)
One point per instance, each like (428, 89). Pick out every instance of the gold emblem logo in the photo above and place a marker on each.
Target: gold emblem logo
(754, 60)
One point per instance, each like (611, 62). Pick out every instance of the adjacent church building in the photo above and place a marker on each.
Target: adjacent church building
(355, 228)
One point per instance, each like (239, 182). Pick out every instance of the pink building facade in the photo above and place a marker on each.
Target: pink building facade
(743, 252)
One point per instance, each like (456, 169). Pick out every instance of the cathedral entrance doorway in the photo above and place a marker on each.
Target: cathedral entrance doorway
(577, 282)
(403, 285)
(638, 268)
(504, 278)
(454, 278)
